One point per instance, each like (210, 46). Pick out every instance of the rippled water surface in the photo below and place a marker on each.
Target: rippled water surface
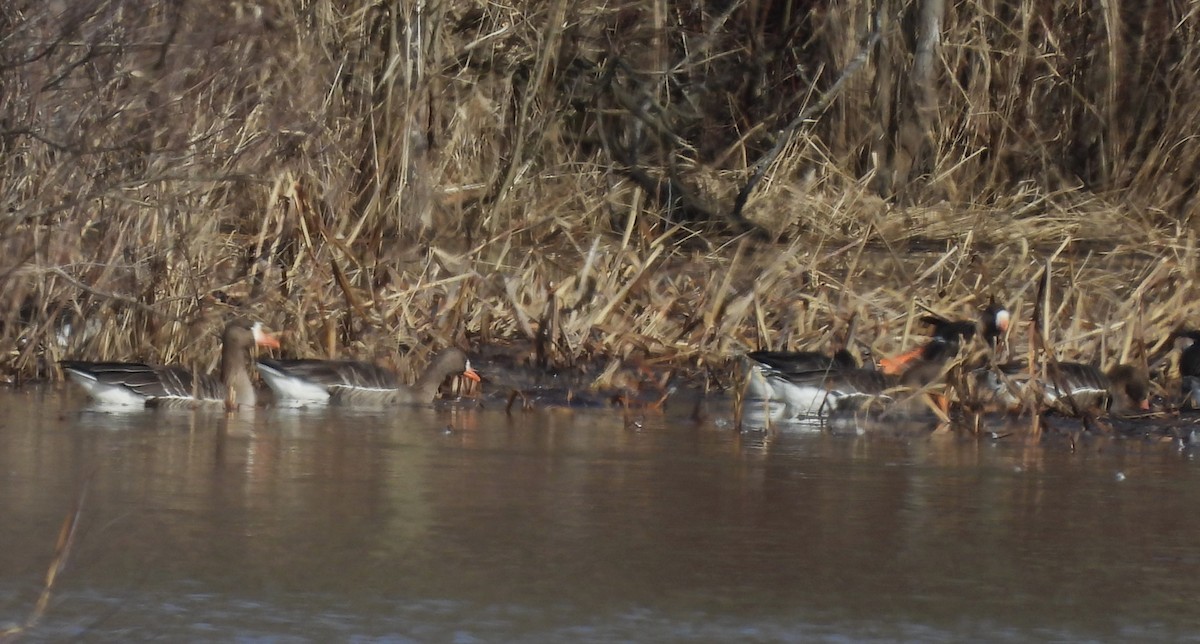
(469, 525)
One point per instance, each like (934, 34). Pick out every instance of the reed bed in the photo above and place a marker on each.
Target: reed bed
(561, 180)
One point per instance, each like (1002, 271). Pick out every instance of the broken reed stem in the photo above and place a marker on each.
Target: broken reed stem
(62, 553)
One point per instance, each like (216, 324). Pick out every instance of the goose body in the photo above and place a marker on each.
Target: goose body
(832, 388)
(1074, 389)
(136, 384)
(793, 376)
(344, 382)
(812, 384)
(818, 392)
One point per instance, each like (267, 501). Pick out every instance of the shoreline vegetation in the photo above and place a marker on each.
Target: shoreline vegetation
(583, 186)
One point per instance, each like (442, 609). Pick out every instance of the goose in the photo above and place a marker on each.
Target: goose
(813, 384)
(139, 384)
(820, 391)
(768, 370)
(1072, 388)
(321, 382)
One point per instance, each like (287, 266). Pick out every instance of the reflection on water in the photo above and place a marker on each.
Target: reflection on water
(437, 524)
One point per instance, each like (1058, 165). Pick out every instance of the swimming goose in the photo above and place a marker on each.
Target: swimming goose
(817, 392)
(768, 370)
(824, 392)
(1077, 389)
(813, 384)
(139, 384)
(321, 382)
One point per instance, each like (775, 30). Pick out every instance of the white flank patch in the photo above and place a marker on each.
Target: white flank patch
(291, 391)
(804, 400)
(106, 394)
(801, 400)
(1053, 394)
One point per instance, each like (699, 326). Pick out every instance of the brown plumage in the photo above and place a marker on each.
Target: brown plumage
(321, 382)
(1072, 388)
(140, 384)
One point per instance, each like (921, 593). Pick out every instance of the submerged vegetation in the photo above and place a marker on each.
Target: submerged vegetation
(591, 183)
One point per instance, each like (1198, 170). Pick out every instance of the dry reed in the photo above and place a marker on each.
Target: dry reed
(383, 179)
(62, 553)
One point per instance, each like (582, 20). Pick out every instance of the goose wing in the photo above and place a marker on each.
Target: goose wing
(143, 381)
(334, 373)
(799, 362)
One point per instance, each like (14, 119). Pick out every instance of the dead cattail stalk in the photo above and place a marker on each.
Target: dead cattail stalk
(62, 553)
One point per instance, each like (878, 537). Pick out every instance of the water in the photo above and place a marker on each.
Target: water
(468, 525)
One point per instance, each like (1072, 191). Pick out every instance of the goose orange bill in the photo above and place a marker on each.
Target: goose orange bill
(471, 374)
(895, 365)
(262, 338)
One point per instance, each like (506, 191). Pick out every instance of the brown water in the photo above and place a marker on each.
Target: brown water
(466, 525)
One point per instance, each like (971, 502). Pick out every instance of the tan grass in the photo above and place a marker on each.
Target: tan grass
(378, 180)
